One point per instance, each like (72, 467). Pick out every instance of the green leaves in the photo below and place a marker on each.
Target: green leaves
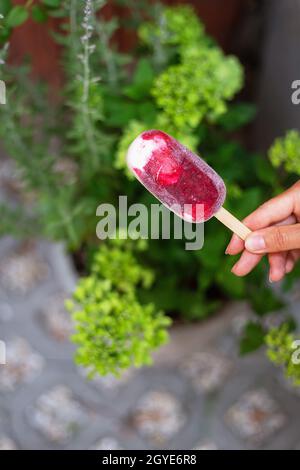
(265, 171)
(39, 14)
(5, 6)
(171, 28)
(253, 338)
(141, 81)
(200, 83)
(263, 300)
(238, 115)
(283, 350)
(286, 152)
(113, 329)
(17, 16)
(112, 262)
(52, 3)
(187, 96)
(182, 83)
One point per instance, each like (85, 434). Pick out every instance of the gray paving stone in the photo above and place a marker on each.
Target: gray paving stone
(207, 370)
(6, 443)
(255, 416)
(23, 365)
(158, 416)
(58, 415)
(183, 402)
(22, 269)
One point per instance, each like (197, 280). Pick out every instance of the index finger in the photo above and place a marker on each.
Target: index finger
(236, 245)
(275, 210)
(279, 209)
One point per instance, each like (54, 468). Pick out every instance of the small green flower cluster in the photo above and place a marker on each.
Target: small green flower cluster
(286, 152)
(176, 26)
(282, 350)
(199, 84)
(195, 84)
(113, 329)
(197, 87)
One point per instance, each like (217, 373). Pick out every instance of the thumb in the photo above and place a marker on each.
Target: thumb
(274, 239)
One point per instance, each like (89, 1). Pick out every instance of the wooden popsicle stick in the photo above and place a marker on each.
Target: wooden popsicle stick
(232, 223)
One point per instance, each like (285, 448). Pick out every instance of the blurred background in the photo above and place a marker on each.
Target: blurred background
(140, 344)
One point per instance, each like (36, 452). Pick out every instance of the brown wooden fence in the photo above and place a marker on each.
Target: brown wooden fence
(219, 16)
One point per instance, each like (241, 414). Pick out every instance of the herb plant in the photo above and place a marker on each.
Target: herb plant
(70, 153)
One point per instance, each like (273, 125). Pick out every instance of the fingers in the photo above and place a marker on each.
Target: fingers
(276, 209)
(246, 263)
(277, 240)
(292, 257)
(290, 263)
(288, 221)
(280, 264)
(277, 263)
(274, 239)
(236, 245)
(295, 255)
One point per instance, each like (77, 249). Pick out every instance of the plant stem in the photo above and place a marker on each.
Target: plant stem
(88, 48)
(107, 53)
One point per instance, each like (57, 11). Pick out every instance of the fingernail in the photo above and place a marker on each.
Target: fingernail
(255, 243)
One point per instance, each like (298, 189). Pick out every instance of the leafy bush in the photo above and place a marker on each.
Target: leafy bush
(283, 350)
(286, 152)
(281, 342)
(177, 80)
(16, 15)
(113, 329)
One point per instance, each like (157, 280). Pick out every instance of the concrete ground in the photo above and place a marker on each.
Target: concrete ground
(199, 393)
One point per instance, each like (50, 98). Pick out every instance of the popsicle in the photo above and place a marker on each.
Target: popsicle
(180, 180)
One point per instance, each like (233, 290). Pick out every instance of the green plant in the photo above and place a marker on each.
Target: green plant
(203, 118)
(285, 152)
(195, 63)
(15, 15)
(283, 350)
(179, 80)
(113, 329)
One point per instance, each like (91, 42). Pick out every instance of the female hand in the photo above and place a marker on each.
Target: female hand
(276, 232)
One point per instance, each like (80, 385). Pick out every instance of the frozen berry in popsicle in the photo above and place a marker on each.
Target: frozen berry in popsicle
(181, 180)
(176, 176)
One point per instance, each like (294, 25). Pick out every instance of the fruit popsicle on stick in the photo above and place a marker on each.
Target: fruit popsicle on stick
(181, 180)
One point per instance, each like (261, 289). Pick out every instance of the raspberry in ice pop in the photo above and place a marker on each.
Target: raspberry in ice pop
(181, 180)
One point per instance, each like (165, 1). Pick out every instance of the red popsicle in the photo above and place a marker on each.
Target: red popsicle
(181, 180)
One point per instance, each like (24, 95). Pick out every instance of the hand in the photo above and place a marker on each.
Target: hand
(276, 232)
